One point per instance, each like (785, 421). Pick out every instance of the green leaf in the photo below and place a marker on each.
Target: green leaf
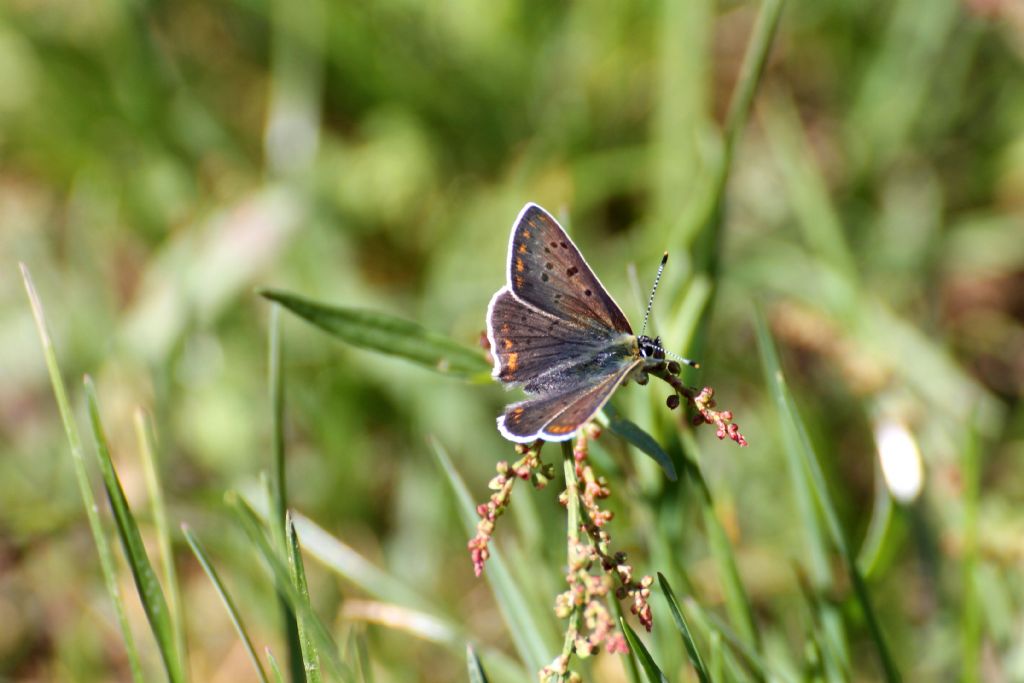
(229, 604)
(150, 594)
(476, 670)
(387, 334)
(278, 677)
(525, 631)
(99, 535)
(310, 660)
(637, 649)
(147, 449)
(814, 480)
(250, 523)
(684, 630)
(633, 434)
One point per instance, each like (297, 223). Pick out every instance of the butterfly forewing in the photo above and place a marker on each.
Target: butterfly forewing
(546, 270)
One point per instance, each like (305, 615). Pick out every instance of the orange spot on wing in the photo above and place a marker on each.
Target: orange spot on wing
(560, 429)
(513, 361)
(526, 234)
(519, 280)
(522, 248)
(508, 343)
(519, 265)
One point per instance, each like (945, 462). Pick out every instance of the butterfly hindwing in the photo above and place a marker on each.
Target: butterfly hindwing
(557, 417)
(546, 269)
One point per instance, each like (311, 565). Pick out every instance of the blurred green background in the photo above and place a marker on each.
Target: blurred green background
(159, 161)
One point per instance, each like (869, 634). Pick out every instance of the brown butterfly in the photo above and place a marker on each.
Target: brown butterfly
(555, 331)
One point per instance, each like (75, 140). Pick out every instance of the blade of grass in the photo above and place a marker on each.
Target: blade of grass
(572, 506)
(229, 605)
(717, 659)
(737, 602)
(527, 634)
(346, 562)
(476, 670)
(815, 480)
(805, 185)
(154, 604)
(637, 649)
(99, 537)
(387, 334)
(252, 527)
(429, 628)
(684, 630)
(310, 659)
(278, 678)
(145, 436)
(278, 494)
(970, 617)
(636, 436)
(815, 540)
(363, 657)
(629, 663)
(712, 625)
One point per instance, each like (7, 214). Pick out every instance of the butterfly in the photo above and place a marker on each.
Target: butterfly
(555, 331)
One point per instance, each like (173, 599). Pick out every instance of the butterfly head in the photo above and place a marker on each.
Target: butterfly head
(650, 348)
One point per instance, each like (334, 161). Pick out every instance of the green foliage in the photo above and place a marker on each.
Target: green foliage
(839, 184)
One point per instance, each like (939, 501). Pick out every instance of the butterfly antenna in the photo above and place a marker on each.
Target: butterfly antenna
(676, 356)
(650, 300)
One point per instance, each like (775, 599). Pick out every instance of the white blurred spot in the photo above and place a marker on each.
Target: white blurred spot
(900, 459)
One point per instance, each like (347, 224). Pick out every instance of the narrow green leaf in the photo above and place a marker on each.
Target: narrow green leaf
(278, 485)
(717, 656)
(629, 663)
(99, 535)
(150, 594)
(346, 562)
(310, 660)
(525, 631)
(476, 670)
(816, 482)
(633, 434)
(971, 610)
(713, 625)
(363, 657)
(387, 334)
(229, 604)
(684, 630)
(147, 449)
(278, 678)
(737, 603)
(637, 649)
(250, 523)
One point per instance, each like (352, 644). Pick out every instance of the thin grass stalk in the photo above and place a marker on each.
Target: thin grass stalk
(310, 659)
(250, 523)
(151, 594)
(527, 634)
(572, 506)
(970, 618)
(107, 565)
(474, 667)
(278, 483)
(816, 481)
(629, 664)
(274, 668)
(229, 605)
(146, 438)
(737, 602)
